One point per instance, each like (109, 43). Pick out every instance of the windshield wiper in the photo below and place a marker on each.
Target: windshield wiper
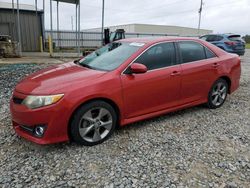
(86, 65)
(97, 54)
(77, 61)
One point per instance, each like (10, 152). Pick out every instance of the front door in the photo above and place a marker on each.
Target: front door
(158, 88)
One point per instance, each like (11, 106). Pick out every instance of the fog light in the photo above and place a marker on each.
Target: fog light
(39, 131)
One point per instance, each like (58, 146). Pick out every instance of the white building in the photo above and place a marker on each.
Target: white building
(156, 29)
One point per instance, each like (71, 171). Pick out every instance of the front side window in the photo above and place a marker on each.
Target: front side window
(191, 51)
(158, 56)
(219, 38)
(110, 56)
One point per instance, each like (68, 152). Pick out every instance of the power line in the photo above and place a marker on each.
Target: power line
(118, 11)
(185, 11)
(163, 5)
(129, 11)
(170, 13)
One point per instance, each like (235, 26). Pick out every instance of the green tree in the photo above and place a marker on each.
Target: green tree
(247, 38)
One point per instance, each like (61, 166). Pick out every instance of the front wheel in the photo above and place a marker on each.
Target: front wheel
(93, 123)
(217, 94)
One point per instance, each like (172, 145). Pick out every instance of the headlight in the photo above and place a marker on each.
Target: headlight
(33, 102)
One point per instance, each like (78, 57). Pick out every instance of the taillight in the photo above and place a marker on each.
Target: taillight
(230, 43)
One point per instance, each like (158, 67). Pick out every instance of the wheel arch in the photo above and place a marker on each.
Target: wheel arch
(228, 80)
(107, 100)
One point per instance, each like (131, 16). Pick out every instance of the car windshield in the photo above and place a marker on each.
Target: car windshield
(110, 56)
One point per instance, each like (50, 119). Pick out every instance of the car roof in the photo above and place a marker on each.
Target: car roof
(225, 34)
(152, 40)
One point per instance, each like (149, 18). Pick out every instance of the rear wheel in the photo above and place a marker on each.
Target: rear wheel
(217, 94)
(93, 123)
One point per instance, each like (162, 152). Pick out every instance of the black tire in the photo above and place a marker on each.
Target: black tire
(211, 95)
(79, 119)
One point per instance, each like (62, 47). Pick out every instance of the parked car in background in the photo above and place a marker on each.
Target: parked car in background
(229, 42)
(121, 83)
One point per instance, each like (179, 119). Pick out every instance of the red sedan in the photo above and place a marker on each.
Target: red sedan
(123, 82)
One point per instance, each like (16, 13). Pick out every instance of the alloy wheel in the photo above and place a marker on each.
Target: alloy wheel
(219, 94)
(95, 124)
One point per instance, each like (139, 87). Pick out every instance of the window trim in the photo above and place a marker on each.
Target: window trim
(176, 57)
(180, 55)
(215, 56)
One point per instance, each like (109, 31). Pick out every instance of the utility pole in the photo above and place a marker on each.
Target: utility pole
(200, 11)
(19, 30)
(14, 21)
(51, 18)
(79, 27)
(36, 6)
(102, 21)
(43, 23)
(51, 31)
(57, 26)
(72, 24)
(76, 30)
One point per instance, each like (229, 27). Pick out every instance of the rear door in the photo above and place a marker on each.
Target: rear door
(199, 69)
(158, 88)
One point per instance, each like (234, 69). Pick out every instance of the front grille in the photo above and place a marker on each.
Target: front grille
(17, 100)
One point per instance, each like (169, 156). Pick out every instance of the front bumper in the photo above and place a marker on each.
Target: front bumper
(54, 117)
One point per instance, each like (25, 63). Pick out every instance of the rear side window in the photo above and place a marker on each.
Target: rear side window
(209, 53)
(191, 51)
(213, 38)
(158, 56)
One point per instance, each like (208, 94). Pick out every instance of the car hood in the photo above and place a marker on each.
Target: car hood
(57, 78)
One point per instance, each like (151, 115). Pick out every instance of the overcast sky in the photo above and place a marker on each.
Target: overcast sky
(221, 16)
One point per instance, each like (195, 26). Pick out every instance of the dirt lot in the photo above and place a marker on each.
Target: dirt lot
(196, 147)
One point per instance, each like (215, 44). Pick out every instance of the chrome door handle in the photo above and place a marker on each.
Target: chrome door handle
(175, 73)
(215, 65)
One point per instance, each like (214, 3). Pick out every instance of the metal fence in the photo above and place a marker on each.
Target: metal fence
(68, 39)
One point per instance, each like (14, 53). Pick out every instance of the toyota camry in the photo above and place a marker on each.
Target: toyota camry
(121, 83)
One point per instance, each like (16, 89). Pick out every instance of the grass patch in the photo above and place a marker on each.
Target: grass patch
(248, 46)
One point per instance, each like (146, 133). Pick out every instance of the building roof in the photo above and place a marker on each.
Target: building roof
(165, 25)
(4, 5)
(148, 25)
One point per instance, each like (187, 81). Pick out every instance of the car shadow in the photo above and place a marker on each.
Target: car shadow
(121, 130)
(162, 118)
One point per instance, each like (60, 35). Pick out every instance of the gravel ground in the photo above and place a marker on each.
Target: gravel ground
(196, 147)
